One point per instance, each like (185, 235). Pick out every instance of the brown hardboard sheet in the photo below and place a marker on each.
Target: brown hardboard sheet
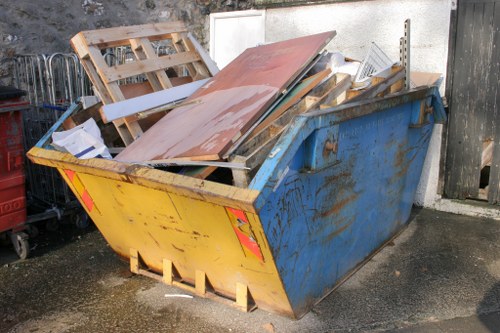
(226, 106)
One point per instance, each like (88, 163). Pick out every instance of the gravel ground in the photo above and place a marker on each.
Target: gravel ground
(442, 274)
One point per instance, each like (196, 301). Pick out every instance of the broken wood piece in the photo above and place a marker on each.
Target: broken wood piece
(326, 91)
(255, 149)
(380, 87)
(254, 159)
(150, 101)
(240, 176)
(292, 97)
(342, 84)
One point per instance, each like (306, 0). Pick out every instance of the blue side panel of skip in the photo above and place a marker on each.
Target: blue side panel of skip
(339, 184)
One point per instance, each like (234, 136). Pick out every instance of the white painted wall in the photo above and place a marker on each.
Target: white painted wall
(380, 21)
(357, 25)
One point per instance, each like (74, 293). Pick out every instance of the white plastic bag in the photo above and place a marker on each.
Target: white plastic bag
(83, 141)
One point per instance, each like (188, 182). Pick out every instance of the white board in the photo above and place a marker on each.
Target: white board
(232, 33)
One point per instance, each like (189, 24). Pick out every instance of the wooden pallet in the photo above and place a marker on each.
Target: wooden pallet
(90, 46)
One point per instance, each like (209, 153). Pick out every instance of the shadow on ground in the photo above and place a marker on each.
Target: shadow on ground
(441, 267)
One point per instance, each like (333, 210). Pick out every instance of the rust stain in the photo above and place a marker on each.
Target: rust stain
(338, 231)
(156, 242)
(178, 249)
(339, 205)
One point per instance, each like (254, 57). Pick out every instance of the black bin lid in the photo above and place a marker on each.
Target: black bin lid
(10, 93)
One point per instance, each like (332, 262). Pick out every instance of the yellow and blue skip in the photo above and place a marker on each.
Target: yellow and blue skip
(338, 185)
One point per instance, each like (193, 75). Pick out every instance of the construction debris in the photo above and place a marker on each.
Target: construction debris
(174, 110)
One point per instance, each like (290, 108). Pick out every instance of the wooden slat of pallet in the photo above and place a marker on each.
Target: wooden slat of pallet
(180, 47)
(143, 50)
(292, 97)
(80, 47)
(229, 103)
(111, 74)
(330, 96)
(119, 36)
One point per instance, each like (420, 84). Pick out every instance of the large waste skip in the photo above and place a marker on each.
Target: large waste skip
(338, 184)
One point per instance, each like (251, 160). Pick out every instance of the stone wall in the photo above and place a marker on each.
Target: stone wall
(28, 26)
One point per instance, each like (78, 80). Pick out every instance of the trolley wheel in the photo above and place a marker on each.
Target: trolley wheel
(21, 245)
(81, 220)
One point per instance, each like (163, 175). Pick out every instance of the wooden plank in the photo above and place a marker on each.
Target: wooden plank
(115, 73)
(150, 101)
(293, 97)
(462, 181)
(119, 36)
(491, 76)
(493, 106)
(228, 104)
(487, 154)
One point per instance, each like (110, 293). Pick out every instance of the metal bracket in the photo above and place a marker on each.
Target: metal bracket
(243, 301)
(404, 53)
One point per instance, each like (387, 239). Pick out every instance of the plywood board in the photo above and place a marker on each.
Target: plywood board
(228, 104)
(293, 97)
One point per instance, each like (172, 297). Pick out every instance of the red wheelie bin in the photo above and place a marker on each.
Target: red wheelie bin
(12, 179)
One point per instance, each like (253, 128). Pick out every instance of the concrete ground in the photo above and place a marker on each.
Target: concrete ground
(442, 274)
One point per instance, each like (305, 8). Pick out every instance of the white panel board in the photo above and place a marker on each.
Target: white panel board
(233, 32)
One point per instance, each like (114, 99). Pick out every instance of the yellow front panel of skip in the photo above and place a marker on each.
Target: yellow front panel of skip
(226, 243)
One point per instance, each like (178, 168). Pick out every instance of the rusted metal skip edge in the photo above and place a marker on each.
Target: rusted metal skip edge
(359, 109)
(221, 194)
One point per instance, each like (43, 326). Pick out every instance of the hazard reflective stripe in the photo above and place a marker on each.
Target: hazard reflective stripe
(80, 189)
(247, 239)
(70, 174)
(248, 243)
(87, 200)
